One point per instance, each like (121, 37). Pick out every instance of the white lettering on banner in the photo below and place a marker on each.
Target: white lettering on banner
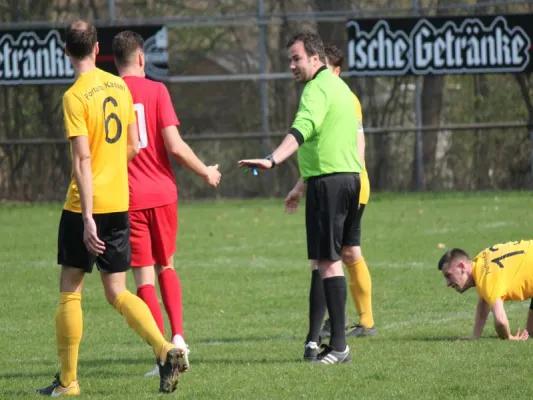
(379, 50)
(26, 57)
(470, 47)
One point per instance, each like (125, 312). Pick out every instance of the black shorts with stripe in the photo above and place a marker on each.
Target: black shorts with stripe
(113, 229)
(332, 215)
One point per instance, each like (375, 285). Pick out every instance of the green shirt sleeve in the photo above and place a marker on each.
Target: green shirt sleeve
(311, 111)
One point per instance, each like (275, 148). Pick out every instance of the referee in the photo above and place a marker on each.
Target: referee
(324, 133)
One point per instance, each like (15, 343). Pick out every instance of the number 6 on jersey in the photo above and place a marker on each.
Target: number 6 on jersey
(141, 125)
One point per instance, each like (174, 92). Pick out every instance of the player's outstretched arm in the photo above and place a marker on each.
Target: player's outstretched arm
(287, 147)
(502, 324)
(482, 313)
(186, 157)
(133, 141)
(81, 167)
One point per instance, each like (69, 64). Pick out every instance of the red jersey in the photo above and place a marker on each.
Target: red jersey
(151, 179)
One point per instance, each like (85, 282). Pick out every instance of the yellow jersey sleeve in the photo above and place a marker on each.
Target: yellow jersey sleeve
(74, 115)
(487, 278)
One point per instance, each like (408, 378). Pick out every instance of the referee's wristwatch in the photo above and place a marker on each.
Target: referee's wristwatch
(271, 159)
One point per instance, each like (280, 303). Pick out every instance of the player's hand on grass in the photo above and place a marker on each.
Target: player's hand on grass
(212, 176)
(524, 335)
(261, 163)
(90, 237)
(292, 200)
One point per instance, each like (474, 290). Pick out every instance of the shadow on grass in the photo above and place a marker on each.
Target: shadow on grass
(215, 341)
(433, 339)
(208, 361)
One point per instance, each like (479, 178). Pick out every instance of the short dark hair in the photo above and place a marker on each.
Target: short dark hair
(451, 255)
(312, 44)
(125, 44)
(334, 55)
(80, 38)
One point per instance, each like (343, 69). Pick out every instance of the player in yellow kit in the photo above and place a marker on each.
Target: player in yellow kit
(360, 281)
(94, 226)
(499, 273)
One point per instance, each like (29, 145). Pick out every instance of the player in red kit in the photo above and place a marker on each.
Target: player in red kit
(153, 191)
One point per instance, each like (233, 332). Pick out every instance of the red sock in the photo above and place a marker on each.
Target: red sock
(170, 286)
(148, 294)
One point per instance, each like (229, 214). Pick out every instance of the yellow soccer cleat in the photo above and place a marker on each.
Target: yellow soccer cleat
(56, 389)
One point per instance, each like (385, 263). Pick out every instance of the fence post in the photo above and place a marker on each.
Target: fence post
(419, 166)
(263, 91)
(530, 130)
(111, 10)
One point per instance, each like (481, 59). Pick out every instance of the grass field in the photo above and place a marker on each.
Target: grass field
(245, 280)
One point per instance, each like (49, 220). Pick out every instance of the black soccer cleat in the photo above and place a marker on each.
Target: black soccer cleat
(362, 331)
(169, 371)
(330, 356)
(311, 351)
(56, 389)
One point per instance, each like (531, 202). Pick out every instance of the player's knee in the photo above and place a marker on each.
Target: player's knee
(162, 268)
(144, 276)
(111, 296)
(351, 254)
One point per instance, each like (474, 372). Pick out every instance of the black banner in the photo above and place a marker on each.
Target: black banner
(38, 56)
(447, 45)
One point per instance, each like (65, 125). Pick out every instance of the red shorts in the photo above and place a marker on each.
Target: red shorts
(153, 235)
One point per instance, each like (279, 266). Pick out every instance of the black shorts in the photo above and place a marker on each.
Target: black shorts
(113, 229)
(331, 215)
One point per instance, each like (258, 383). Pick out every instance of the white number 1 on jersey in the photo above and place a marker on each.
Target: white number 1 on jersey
(141, 125)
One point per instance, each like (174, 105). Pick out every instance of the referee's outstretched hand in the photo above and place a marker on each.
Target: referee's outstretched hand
(261, 163)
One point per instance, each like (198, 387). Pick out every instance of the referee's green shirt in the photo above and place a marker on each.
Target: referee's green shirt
(326, 127)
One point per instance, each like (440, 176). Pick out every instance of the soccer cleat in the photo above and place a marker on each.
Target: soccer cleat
(329, 356)
(154, 372)
(325, 332)
(362, 331)
(56, 389)
(169, 373)
(311, 351)
(179, 342)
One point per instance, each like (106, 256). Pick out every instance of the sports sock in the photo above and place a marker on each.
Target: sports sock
(361, 289)
(170, 286)
(335, 293)
(69, 328)
(148, 294)
(139, 318)
(317, 307)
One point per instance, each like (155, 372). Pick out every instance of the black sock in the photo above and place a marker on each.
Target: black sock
(317, 307)
(335, 293)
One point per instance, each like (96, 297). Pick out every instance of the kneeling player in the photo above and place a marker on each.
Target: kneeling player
(501, 272)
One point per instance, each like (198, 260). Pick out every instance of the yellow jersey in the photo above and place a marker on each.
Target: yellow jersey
(505, 271)
(99, 105)
(365, 183)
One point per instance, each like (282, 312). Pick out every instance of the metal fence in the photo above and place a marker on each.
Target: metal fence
(234, 97)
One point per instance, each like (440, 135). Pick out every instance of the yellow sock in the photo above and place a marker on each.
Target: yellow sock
(140, 319)
(69, 328)
(361, 289)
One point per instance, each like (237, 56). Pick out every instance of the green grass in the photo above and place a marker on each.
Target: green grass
(245, 280)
